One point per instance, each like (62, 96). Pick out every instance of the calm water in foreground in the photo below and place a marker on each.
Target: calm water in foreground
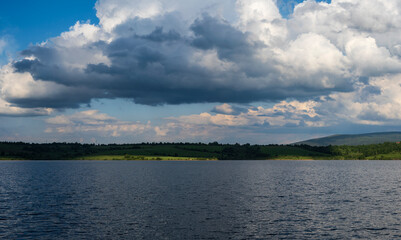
(198, 200)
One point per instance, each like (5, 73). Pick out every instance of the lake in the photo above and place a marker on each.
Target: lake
(200, 200)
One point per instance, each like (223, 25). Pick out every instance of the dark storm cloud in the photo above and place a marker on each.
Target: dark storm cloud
(213, 33)
(67, 98)
(159, 36)
(26, 65)
(47, 66)
(47, 54)
(158, 68)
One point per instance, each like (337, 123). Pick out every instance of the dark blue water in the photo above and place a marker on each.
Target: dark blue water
(200, 200)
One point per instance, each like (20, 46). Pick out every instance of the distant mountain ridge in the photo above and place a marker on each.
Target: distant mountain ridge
(354, 139)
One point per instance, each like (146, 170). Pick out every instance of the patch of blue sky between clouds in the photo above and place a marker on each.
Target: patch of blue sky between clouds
(286, 7)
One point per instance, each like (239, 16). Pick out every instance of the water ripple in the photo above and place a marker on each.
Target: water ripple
(200, 200)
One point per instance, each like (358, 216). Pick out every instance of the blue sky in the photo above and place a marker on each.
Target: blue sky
(31, 22)
(233, 71)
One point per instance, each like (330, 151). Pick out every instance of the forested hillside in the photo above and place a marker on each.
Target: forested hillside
(354, 139)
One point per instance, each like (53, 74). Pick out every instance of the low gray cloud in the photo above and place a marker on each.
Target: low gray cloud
(159, 36)
(68, 98)
(214, 33)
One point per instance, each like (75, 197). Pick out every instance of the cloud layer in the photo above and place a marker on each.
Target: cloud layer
(327, 62)
(157, 52)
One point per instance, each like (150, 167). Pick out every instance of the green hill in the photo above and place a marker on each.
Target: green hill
(354, 139)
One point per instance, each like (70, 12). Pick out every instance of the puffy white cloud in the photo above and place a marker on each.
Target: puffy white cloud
(375, 103)
(313, 60)
(147, 14)
(257, 11)
(81, 34)
(374, 15)
(112, 13)
(263, 20)
(10, 86)
(370, 60)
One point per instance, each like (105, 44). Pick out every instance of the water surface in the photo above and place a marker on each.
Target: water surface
(200, 200)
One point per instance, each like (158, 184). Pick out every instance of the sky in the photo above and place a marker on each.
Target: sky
(246, 71)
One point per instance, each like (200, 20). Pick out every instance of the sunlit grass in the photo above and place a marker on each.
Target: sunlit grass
(388, 156)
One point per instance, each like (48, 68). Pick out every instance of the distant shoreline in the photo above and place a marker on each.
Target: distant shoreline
(195, 152)
(198, 160)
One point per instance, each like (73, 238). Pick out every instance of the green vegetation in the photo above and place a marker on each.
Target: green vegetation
(193, 151)
(354, 139)
(138, 158)
(383, 151)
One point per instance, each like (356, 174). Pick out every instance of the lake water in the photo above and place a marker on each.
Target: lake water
(200, 200)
